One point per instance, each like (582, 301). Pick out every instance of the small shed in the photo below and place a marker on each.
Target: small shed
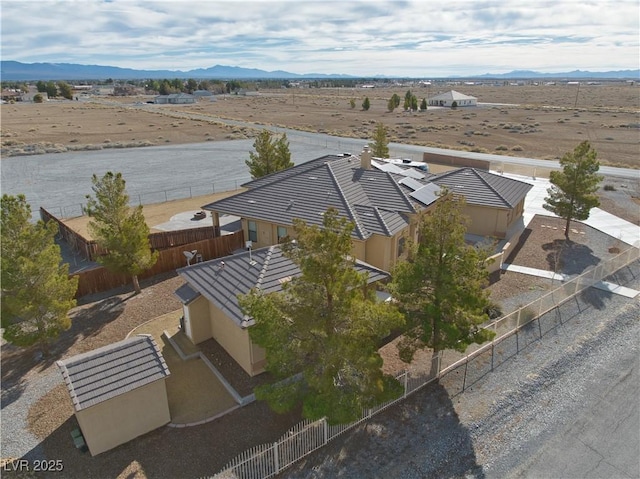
(446, 99)
(118, 391)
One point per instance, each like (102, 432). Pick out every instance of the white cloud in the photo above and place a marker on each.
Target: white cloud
(411, 38)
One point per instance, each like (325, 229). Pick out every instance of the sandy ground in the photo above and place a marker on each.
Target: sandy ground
(530, 121)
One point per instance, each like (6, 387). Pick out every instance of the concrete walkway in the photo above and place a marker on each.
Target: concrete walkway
(601, 220)
(195, 393)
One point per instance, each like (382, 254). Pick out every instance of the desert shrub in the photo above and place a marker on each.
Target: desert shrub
(517, 148)
(493, 310)
(609, 188)
(501, 148)
(527, 315)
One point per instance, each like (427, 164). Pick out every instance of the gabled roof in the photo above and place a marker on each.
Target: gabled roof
(483, 188)
(112, 370)
(222, 280)
(452, 95)
(307, 190)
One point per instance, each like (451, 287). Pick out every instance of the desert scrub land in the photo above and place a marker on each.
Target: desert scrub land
(543, 121)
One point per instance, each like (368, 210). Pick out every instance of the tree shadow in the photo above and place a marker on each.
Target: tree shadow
(86, 322)
(570, 258)
(421, 436)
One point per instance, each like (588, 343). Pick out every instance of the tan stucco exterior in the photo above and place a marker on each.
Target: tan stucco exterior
(197, 330)
(122, 418)
(494, 222)
(204, 320)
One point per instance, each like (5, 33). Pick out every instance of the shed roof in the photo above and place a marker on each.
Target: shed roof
(112, 370)
(222, 280)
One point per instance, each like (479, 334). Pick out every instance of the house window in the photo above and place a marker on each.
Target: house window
(282, 233)
(253, 231)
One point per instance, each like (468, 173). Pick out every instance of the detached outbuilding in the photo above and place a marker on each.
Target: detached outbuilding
(118, 391)
(446, 99)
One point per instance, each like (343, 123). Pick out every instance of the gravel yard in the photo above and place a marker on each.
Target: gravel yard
(37, 415)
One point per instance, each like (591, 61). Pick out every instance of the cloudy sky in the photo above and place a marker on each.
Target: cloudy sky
(421, 38)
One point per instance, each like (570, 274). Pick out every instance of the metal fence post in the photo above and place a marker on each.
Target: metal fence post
(276, 463)
(325, 430)
(406, 380)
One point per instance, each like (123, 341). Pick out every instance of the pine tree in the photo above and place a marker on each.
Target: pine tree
(120, 230)
(380, 142)
(270, 156)
(323, 331)
(37, 292)
(573, 190)
(440, 286)
(366, 104)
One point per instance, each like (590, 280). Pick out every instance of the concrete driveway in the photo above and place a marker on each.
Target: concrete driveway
(195, 394)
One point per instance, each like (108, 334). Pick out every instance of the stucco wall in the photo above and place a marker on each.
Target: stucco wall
(198, 317)
(234, 339)
(487, 221)
(125, 417)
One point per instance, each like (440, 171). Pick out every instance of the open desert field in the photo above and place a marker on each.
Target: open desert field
(539, 121)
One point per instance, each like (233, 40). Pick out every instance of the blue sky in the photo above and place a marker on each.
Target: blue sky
(423, 38)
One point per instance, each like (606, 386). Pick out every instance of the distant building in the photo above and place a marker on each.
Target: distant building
(202, 93)
(175, 99)
(446, 99)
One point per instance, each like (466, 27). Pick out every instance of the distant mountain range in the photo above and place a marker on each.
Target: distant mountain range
(17, 71)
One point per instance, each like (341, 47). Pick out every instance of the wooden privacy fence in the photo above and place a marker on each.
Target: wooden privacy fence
(100, 279)
(76, 242)
(90, 250)
(267, 460)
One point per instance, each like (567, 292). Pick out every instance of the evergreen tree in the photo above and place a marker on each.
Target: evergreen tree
(396, 100)
(366, 104)
(325, 327)
(391, 105)
(380, 147)
(65, 90)
(120, 230)
(37, 292)
(423, 105)
(573, 190)
(270, 156)
(440, 286)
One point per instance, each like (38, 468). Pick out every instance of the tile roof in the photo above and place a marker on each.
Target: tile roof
(307, 190)
(483, 188)
(222, 280)
(452, 95)
(112, 370)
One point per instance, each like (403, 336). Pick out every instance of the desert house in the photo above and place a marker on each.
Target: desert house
(175, 99)
(446, 99)
(210, 298)
(118, 391)
(372, 199)
(384, 202)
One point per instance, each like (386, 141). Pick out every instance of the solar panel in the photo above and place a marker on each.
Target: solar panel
(427, 194)
(411, 183)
